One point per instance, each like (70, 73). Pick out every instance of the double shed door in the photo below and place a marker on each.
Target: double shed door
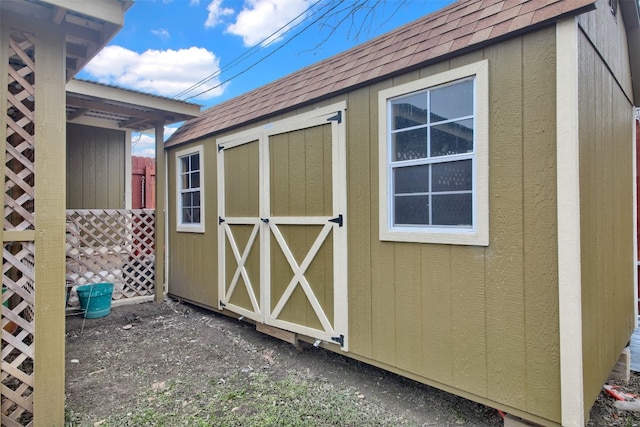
(282, 219)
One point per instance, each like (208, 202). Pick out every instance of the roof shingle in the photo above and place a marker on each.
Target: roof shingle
(460, 26)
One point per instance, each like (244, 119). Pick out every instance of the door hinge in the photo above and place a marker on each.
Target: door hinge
(220, 220)
(339, 340)
(220, 148)
(221, 304)
(265, 220)
(337, 220)
(336, 118)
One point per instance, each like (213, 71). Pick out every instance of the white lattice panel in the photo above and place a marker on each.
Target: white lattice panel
(18, 262)
(112, 246)
(17, 332)
(19, 162)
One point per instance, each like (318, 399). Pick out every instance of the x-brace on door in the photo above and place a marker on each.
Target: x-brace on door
(282, 215)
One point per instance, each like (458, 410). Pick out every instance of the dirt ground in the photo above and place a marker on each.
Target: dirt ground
(175, 364)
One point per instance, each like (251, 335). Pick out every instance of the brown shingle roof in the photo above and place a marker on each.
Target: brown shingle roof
(460, 26)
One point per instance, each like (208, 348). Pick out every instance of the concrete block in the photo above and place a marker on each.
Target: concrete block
(622, 369)
(513, 421)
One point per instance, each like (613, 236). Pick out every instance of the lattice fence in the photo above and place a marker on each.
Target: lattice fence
(114, 246)
(18, 287)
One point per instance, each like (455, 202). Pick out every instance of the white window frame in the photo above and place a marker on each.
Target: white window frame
(180, 225)
(478, 233)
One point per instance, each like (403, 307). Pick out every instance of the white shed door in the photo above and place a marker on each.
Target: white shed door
(282, 209)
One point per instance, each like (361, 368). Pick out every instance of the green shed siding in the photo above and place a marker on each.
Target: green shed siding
(193, 257)
(95, 167)
(608, 35)
(606, 223)
(478, 321)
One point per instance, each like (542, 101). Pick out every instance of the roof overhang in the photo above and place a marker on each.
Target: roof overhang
(105, 106)
(631, 17)
(87, 25)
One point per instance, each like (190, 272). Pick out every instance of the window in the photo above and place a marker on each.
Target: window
(433, 158)
(190, 190)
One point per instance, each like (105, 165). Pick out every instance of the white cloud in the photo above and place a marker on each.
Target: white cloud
(162, 33)
(144, 144)
(216, 13)
(260, 18)
(162, 72)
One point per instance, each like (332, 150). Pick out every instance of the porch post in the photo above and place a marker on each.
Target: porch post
(50, 165)
(160, 212)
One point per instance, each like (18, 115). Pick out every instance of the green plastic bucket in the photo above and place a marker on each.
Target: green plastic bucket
(95, 299)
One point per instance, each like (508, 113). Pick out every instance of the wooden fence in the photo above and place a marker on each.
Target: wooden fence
(109, 245)
(143, 183)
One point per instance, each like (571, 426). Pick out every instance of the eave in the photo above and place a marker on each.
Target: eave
(87, 25)
(117, 108)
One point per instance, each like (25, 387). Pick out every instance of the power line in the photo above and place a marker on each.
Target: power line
(268, 55)
(249, 52)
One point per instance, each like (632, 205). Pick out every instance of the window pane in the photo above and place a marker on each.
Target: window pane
(184, 181)
(411, 210)
(452, 176)
(195, 180)
(186, 200)
(410, 145)
(184, 164)
(195, 162)
(452, 138)
(186, 216)
(196, 198)
(412, 179)
(451, 102)
(409, 111)
(196, 215)
(452, 209)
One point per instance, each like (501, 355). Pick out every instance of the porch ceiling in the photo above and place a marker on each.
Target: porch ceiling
(107, 106)
(87, 25)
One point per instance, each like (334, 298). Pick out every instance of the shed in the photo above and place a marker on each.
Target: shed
(451, 201)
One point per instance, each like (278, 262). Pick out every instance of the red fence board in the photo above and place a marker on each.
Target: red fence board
(143, 182)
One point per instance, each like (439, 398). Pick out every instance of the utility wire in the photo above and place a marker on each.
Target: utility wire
(268, 55)
(250, 51)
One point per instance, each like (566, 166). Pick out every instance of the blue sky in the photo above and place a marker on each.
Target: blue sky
(167, 46)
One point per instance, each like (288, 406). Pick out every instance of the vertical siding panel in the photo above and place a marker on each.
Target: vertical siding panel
(437, 341)
(297, 240)
(588, 197)
(504, 256)
(115, 172)
(408, 320)
(361, 112)
(623, 256)
(88, 175)
(383, 345)
(608, 350)
(103, 180)
(74, 168)
(542, 385)
(279, 194)
(314, 170)
(468, 299)
(469, 346)
(606, 179)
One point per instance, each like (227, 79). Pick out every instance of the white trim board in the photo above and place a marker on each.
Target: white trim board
(568, 199)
